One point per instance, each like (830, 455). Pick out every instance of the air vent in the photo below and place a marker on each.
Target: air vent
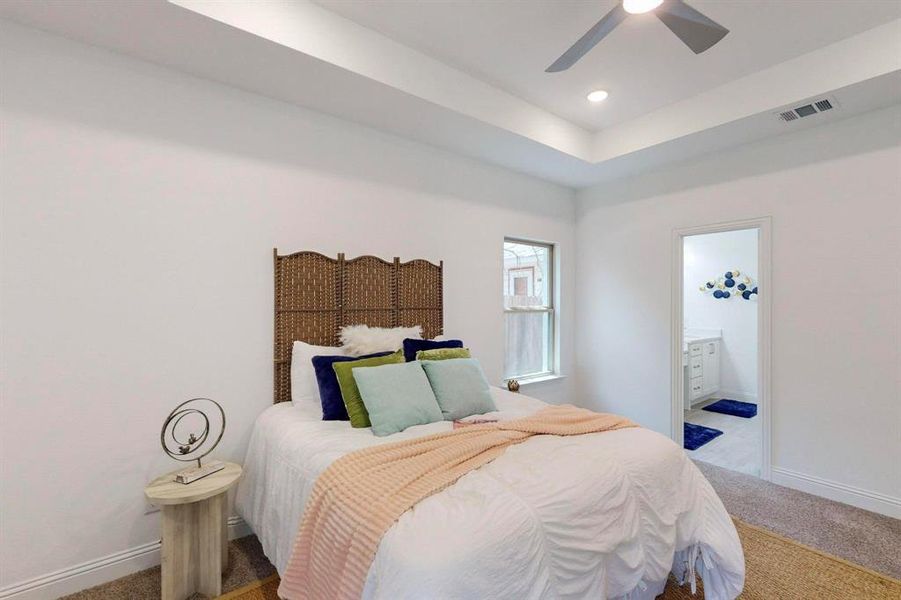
(788, 115)
(806, 110)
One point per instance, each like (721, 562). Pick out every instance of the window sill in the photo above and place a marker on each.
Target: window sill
(539, 379)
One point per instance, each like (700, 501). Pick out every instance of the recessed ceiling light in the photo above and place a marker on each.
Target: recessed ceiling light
(597, 96)
(636, 7)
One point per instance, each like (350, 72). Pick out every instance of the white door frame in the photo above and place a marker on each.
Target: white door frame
(764, 328)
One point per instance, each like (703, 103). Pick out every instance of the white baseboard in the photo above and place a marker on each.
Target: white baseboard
(840, 492)
(100, 570)
(734, 395)
(237, 528)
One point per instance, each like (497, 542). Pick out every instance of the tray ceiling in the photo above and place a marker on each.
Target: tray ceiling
(469, 76)
(509, 43)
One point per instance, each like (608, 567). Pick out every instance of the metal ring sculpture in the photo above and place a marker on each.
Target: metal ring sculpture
(186, 449)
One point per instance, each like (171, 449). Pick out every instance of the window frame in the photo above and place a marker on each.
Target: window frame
(550, 309)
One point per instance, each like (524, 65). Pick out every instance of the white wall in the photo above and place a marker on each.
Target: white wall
(140, 207)
(705, 258)
(834, 195)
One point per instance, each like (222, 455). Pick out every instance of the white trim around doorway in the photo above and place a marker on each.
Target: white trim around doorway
(764, 329)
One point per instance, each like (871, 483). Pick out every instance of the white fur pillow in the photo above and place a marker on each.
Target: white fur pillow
(357, 340)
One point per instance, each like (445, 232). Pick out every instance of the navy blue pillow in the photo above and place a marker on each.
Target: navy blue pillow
(411, 346)
(329, 393)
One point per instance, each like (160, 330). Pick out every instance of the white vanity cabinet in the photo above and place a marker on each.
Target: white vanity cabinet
(702, 370)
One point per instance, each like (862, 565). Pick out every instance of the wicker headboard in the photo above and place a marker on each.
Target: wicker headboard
(316, 295)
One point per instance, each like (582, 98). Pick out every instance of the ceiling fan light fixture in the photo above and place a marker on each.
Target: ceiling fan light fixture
(637, 7)
(597, 96)
(695, 29)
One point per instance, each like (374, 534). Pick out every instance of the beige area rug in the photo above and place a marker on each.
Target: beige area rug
(777, 567)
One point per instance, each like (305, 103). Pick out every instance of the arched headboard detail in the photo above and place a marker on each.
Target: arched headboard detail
(316, 295)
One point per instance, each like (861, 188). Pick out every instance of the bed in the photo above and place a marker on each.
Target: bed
(603, 515)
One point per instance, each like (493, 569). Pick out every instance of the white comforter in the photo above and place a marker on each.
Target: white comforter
(605, 515)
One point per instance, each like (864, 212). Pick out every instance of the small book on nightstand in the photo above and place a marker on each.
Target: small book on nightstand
(195, 473)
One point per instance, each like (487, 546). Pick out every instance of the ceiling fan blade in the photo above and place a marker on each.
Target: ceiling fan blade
(589, 40)
(697, 31)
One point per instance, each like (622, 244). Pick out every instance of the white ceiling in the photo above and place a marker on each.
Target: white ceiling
(509, 43)
(667, 104)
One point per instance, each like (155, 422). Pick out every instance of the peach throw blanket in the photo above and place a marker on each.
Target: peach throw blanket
(360, 495)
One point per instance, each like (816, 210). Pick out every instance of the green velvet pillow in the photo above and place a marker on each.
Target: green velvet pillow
(443, 354)
(397, 397)
(459, 386)
(350, 393)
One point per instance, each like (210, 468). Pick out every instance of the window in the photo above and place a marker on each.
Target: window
(528, 309)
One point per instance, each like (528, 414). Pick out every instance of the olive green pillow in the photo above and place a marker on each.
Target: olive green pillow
(443, 354)
(350, 393)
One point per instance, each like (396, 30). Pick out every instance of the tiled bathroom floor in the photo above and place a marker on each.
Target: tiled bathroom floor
(738, 449)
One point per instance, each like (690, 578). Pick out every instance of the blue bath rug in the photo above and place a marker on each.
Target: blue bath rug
(696, 436)
(735, 408)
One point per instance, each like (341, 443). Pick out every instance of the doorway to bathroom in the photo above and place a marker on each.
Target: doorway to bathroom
(721, 345)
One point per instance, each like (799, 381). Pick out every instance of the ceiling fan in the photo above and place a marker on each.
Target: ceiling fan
(697, 31)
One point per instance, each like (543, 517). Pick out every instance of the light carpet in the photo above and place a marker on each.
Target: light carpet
(862, 537)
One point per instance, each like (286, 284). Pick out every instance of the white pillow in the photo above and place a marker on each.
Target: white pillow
(304, 387)
(358, 340)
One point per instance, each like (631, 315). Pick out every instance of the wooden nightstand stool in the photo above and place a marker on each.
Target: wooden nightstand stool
(195, 535)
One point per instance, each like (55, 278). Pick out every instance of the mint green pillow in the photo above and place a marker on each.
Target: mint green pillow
(396, 397)
(443, 354)
(459, 386)
(350, 393)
